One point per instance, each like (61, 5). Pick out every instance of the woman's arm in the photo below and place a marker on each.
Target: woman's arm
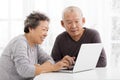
(48, 67)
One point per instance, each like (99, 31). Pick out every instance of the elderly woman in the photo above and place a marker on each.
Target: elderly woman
(23, 59)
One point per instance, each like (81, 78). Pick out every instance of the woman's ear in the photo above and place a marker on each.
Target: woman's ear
(30, 29)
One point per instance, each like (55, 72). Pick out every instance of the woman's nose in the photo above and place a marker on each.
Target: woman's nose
(45, 34)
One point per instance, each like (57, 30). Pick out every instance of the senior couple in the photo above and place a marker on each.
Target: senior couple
(23, 58)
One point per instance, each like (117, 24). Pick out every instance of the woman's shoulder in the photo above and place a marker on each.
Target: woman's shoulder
(20, 39)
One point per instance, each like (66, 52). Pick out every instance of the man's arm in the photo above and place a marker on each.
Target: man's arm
(102, 62)
(56, 53)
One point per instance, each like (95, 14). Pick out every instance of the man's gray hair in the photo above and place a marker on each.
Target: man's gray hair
(72, 9)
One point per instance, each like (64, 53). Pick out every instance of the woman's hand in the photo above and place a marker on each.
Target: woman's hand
(48, 66)
(60, 64)
(45, 67)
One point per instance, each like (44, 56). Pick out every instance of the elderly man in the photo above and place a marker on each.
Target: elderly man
(68, 43)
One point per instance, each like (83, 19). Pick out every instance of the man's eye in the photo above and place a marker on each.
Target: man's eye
(69, 22)
(77, 21)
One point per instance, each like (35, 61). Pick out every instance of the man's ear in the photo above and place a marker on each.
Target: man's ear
(83, 20)
(62, 23)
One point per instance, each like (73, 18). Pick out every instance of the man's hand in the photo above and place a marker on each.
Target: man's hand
(69, 59)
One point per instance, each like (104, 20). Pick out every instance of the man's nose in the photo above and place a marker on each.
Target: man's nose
(73, 25)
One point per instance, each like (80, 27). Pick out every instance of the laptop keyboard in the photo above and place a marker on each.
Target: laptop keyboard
(70, 68)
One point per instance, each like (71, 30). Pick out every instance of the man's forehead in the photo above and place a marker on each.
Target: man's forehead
(72, 14)
(76, 19)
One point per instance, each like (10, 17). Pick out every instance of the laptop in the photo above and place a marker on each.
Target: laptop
(87, 58)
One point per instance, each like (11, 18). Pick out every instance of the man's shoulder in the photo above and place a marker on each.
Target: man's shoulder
(62, 35)
(91, 31)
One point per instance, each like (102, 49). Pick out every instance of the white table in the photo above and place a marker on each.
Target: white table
(96, 74)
